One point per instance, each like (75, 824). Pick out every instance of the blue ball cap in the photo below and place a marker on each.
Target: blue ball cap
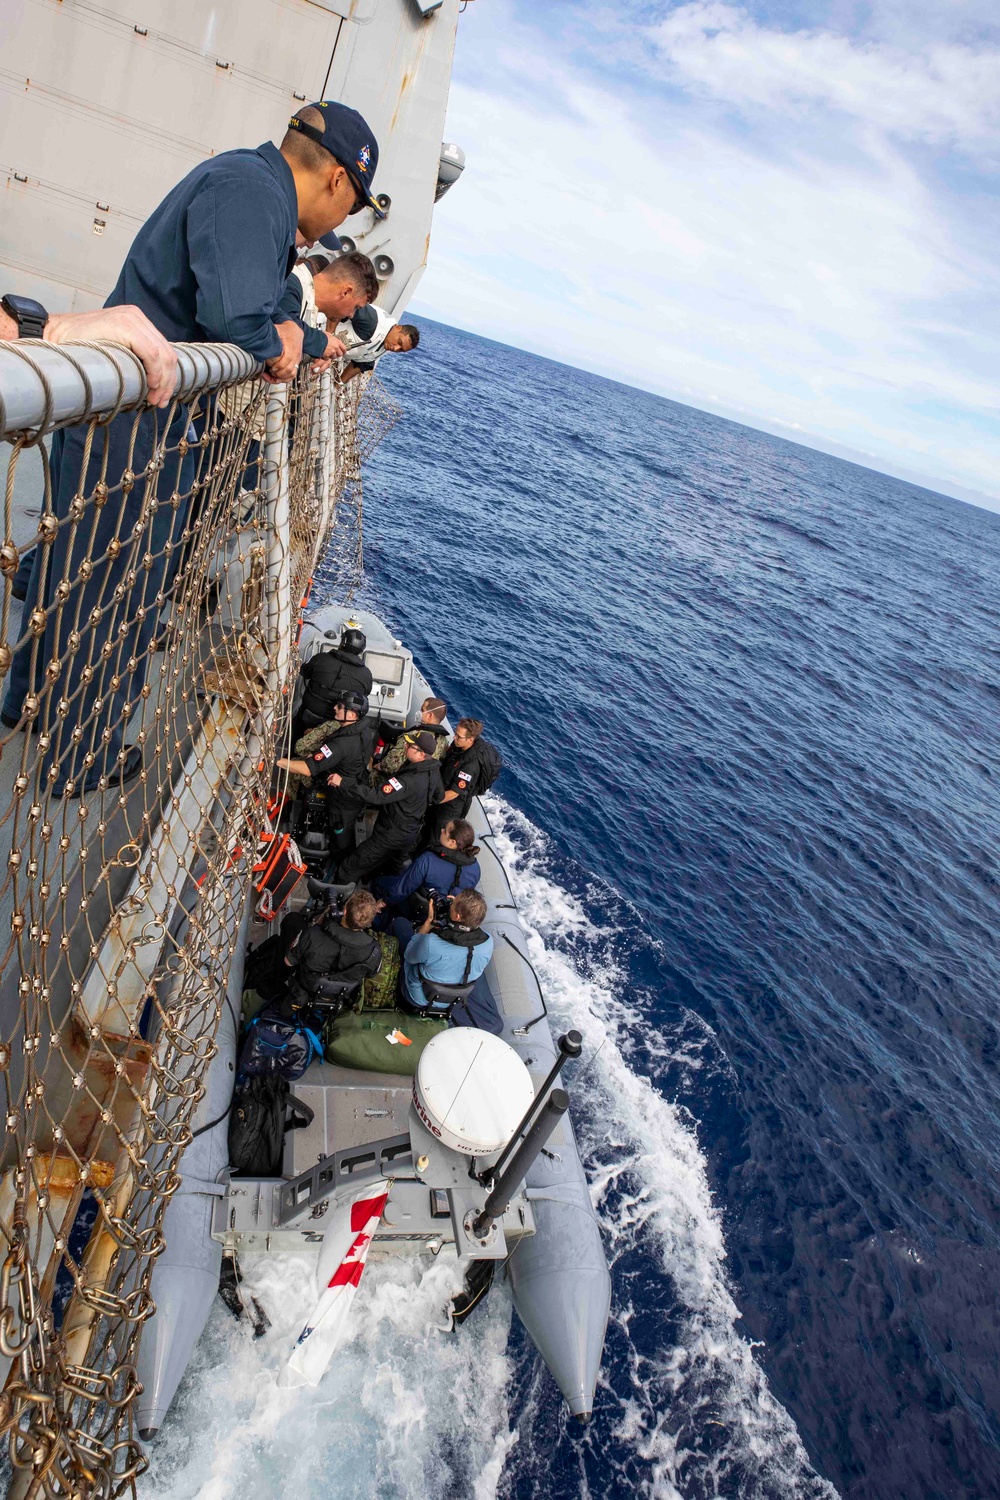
(348, 137)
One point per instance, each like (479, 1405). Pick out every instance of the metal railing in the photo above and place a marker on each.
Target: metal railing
(146, 681)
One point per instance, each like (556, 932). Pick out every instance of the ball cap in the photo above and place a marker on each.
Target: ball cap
(424, 741)
(348, 137)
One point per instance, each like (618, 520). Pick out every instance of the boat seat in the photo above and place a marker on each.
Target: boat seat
(334, 992)
(440, 997)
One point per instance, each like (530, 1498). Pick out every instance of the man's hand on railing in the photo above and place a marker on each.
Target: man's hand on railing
(284, 365)
(334, 349)
(115, 325)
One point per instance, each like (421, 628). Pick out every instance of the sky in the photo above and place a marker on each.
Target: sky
(783, 212)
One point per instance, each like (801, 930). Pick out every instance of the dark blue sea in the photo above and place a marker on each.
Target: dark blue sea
(748, 699)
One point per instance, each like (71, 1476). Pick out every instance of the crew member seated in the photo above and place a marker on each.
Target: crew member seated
(396, 738)
(347, 753)
(447, 867)
(336, 951)
(450, 952)
(329, 674)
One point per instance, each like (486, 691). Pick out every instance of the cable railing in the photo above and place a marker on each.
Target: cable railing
(165, 558)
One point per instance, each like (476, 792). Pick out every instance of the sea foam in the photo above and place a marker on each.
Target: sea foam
(408, 1410)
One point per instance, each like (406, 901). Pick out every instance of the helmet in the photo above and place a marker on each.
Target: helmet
(353, 640)
(354, 703)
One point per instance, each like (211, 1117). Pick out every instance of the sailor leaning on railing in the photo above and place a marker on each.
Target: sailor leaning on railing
(22, 317)
(322, 283)
(210, 264)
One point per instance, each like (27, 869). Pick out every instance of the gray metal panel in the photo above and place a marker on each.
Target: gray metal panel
(103, 108)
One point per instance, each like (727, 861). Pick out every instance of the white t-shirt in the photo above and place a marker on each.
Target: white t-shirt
(366, 353)
(304, 275)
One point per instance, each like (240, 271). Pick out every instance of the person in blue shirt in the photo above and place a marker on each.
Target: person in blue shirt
(210, 263)
(448, 867)
(455, 951)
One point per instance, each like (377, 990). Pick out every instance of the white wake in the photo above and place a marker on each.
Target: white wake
(409, 1412)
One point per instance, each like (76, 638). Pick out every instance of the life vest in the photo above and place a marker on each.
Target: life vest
(468, 938)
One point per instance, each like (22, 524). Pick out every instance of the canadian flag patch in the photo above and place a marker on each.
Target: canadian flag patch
(465, 775)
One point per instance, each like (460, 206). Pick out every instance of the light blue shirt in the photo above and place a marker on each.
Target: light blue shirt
(441, 961)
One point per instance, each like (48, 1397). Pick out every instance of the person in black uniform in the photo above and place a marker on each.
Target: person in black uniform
(460, 776)
(335, 948)
(346, 754)
(402, 800)
(328, 675)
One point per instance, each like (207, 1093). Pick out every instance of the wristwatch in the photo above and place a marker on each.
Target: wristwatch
(29, 315)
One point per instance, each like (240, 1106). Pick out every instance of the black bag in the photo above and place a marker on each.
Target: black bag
(490, 765)
(257, 1126)
(275, 1046)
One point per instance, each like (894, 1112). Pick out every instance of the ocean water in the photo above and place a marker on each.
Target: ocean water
(747, 695)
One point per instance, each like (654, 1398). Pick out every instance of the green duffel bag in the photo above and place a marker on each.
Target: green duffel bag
(381, 991)
(362, 1041)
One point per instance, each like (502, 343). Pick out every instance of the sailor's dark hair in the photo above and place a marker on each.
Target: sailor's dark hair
(436, 706)
(359, 912)
(464, 835)
(356, 268)
(474, 727)
(412, 333)
(308, 153)
(469, 908)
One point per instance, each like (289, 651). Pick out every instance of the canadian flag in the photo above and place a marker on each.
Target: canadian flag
(341, 1264)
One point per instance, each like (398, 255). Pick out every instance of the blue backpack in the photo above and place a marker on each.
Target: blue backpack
(278, 1048)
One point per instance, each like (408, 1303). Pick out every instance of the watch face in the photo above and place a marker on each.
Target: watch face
(30, 316)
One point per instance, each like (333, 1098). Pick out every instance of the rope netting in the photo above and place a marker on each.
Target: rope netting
(148, 675)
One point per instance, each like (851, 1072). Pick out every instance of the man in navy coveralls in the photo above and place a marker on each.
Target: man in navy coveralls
(210, 264)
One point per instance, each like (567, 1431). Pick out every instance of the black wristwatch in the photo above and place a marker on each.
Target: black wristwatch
(29, 315)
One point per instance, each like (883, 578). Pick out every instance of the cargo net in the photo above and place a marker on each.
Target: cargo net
(147, 676)
(358, 431)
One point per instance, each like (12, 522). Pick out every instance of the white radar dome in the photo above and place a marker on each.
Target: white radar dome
(471, 1090)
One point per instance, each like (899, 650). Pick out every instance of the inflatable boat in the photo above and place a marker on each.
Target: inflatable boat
(491, 1176)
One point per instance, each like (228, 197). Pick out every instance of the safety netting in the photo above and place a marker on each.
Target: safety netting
(164, 559)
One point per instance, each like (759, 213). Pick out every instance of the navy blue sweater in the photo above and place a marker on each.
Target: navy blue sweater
(211, 262)
(438, 874)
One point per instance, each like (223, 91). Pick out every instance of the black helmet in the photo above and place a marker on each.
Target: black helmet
(353, 640)
(354, 703)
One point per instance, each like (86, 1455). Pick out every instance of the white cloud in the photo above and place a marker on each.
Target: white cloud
(652, 240)
(942, 93)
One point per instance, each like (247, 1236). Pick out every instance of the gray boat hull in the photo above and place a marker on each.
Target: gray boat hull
(559, 1276)
(186, 1276)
